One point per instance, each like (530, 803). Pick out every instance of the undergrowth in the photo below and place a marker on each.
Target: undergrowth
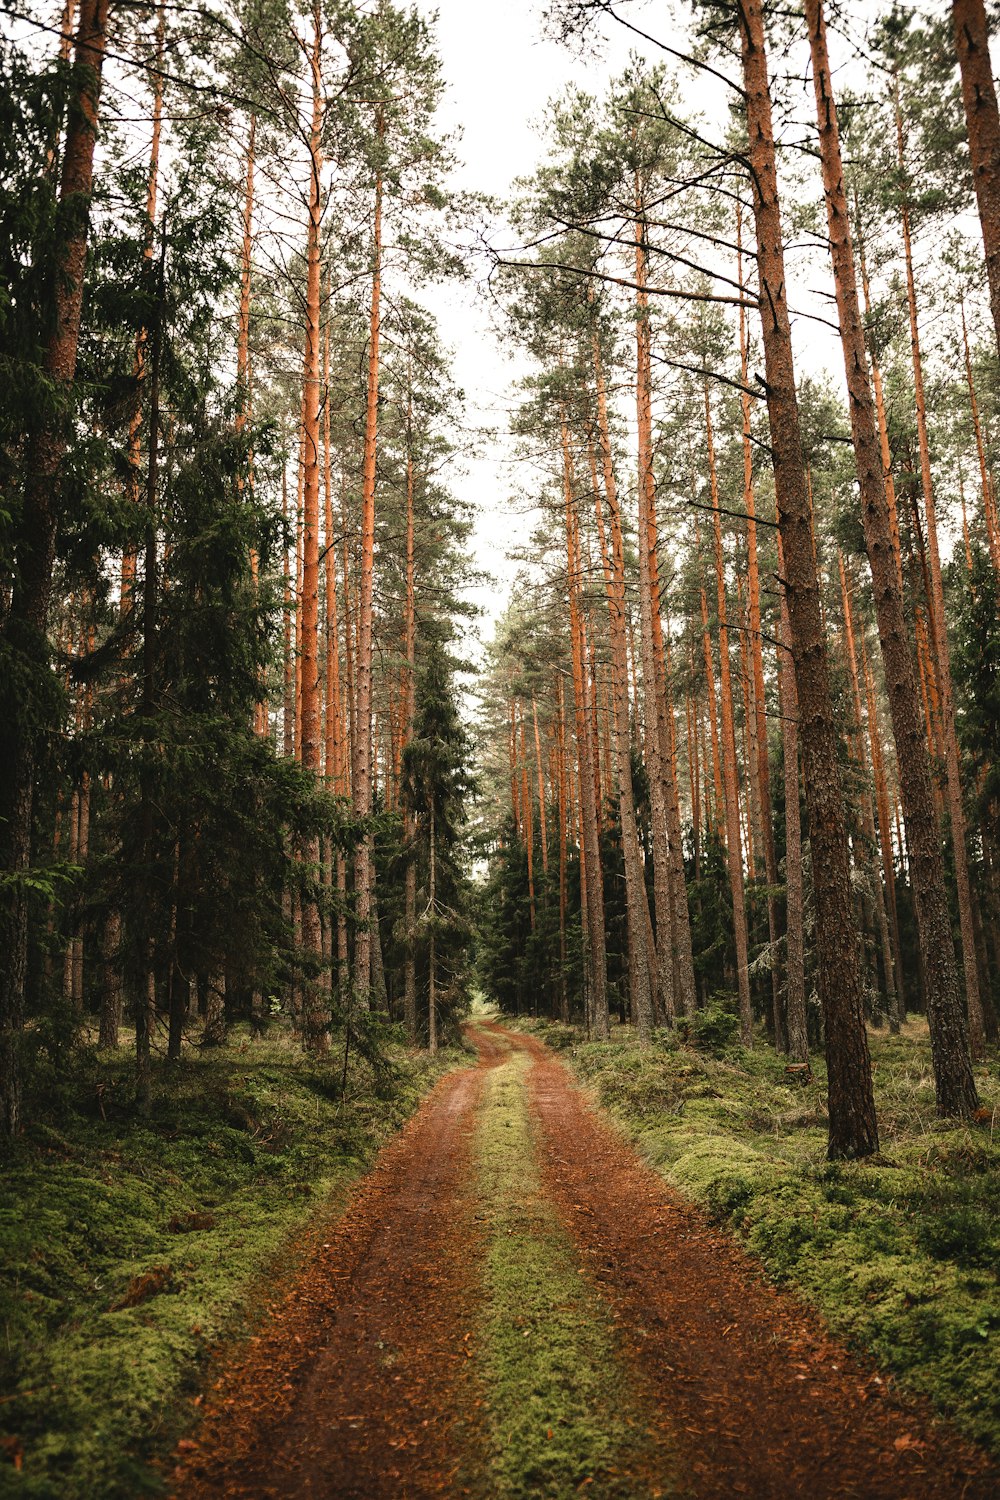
(900, 1253)
(561, 1415)
(131, 1248)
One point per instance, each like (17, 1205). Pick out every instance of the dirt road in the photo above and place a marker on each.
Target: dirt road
(372, 1377)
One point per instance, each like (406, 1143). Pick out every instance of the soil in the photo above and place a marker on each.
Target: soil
(363, 1381)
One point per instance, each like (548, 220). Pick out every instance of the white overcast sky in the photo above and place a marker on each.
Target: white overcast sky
(500, 73)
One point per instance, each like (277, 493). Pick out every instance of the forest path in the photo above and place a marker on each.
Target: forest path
(373, 1377)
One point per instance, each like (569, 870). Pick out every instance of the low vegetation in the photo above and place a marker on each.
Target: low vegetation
(134, 1247)
(900, 1252)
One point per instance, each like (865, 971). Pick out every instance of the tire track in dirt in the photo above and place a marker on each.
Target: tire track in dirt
(360, 1380)
(765, 1402)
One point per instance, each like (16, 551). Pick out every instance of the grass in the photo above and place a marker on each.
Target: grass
(561, 1415)
(132, 1248)
(899, 1253)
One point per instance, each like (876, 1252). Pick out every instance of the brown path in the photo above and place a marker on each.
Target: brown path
(361, 1384)
(763, 1401)
(358, 1382)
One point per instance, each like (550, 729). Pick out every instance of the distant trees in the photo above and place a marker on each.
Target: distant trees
(733, 650)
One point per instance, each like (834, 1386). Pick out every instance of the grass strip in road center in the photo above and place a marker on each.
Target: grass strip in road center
(561, 1411)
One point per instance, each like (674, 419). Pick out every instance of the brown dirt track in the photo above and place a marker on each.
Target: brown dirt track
(361, 1382)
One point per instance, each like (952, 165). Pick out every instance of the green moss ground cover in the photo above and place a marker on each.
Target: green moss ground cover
(562, 1417)
(129, 1248)
(900, 1254)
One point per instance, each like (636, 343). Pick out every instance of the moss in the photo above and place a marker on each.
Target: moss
(180, 1215)
(562, 1414)
(900, 1253)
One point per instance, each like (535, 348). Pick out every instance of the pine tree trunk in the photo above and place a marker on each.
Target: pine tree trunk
(432, 1015)
(759, 738)
(795, 971)
(636, 904)
(563, 840)
(972, 46)
(734, 849)
(959, 1095)
(992, 533)
(134, 447)
(409, 829)
(362, 781)
(669, 895)
(867, 810)
(853, 1128)
(315, 1016)
(589, 828)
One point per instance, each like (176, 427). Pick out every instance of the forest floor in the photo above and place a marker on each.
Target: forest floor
(514, 1304)
(133, 1248)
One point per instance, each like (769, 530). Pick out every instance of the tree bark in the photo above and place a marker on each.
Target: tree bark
(853, 1128)
(315, 1016)
(961, 1091)
(795, 994)
(734, 850)
(362, 780)
(636, 902)
(956, 1092)
(972, 46)
(590, 851)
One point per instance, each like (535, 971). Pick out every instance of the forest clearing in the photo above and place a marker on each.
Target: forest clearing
(499, 749)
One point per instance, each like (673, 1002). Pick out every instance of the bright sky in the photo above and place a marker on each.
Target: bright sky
(500, 72)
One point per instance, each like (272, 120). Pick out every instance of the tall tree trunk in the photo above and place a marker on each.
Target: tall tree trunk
(734, 849)
(972, 45)
(960, 1092)
(956, 1092)
(867, 809)
(362, 781)
(636, 903)
(989, 516)
(853, 1128)
(335, 751)
(759, 738)
(134, 448)
(432, 1007)
(795, 996)
(27, 619)
(590, 849)
(668, 897)
(315, 1016)
(884, 825)
(563, 840)
(410, 643)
